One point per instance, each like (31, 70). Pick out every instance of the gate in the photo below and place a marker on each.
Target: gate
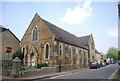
(6, 67)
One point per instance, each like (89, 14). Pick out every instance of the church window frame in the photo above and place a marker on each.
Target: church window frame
(35, 33)
(76, 53)
(60, 49)
(47, 51)
(24, 50)
(70, 52)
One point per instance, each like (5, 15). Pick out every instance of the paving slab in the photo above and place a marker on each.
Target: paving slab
(6, 78)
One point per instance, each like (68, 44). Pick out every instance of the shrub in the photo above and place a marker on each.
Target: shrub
(29, 68)
(23, 68)
(42, 65)
(18, 54)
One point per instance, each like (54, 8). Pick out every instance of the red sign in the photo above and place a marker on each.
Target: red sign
(9, 49)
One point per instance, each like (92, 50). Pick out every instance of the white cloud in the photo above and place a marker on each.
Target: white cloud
(112, 32)
(78, 14)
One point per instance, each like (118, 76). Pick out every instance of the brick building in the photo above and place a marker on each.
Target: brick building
(7, 38)
(100, 56)
(88, 41)
(44, 42)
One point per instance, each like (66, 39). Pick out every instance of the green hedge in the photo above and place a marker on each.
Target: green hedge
(29, 68)
(42, 65)
(39, 66)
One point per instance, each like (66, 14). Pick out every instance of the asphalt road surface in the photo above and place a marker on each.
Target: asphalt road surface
(101, 74)
(117, 75)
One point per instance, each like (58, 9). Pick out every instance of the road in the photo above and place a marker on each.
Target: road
(101, 74)
(117, 75)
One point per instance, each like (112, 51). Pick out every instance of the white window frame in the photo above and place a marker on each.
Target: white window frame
(24, 50)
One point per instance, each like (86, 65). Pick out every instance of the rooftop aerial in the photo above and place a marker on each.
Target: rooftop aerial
(1, 26)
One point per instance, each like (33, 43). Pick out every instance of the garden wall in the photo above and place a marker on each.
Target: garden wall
(44, 70)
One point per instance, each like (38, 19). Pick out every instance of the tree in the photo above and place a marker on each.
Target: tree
(18, 54)
(119, 55)
(112, 53)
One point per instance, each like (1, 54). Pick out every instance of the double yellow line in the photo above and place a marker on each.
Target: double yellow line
(113, 74)
(67, 74)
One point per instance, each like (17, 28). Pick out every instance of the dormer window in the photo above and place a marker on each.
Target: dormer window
(35, 34)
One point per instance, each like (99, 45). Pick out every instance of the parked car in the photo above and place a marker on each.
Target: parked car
(112, 62)
(103, 64)
(94, 65)
(107, 63)
(119, 62)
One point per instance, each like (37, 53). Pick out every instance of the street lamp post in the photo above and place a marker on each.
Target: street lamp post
(60, 58)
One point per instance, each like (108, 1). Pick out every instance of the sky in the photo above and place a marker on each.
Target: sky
(79, 18)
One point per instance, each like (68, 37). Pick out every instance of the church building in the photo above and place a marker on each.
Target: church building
(43, 42)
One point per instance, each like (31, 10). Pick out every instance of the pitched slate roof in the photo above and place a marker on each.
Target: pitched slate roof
(64, 36)
(85, 39)
(96, 51)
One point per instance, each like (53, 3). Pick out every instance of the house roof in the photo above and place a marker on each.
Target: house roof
(64, 36)
(96, 51)
(3, 29)
(85, 39)
(13, 35)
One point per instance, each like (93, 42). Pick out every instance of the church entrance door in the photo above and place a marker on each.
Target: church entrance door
(32, 59)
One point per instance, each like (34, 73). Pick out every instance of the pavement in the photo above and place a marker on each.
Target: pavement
(105, 73)
(117, 75)
(101, 73)
(30, 78)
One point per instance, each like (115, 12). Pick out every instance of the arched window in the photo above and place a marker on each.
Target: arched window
(47, 51)
(82, 56)
(60, 49)
(23, 50)
(35, 34)
(76, 53)
(69, 52)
